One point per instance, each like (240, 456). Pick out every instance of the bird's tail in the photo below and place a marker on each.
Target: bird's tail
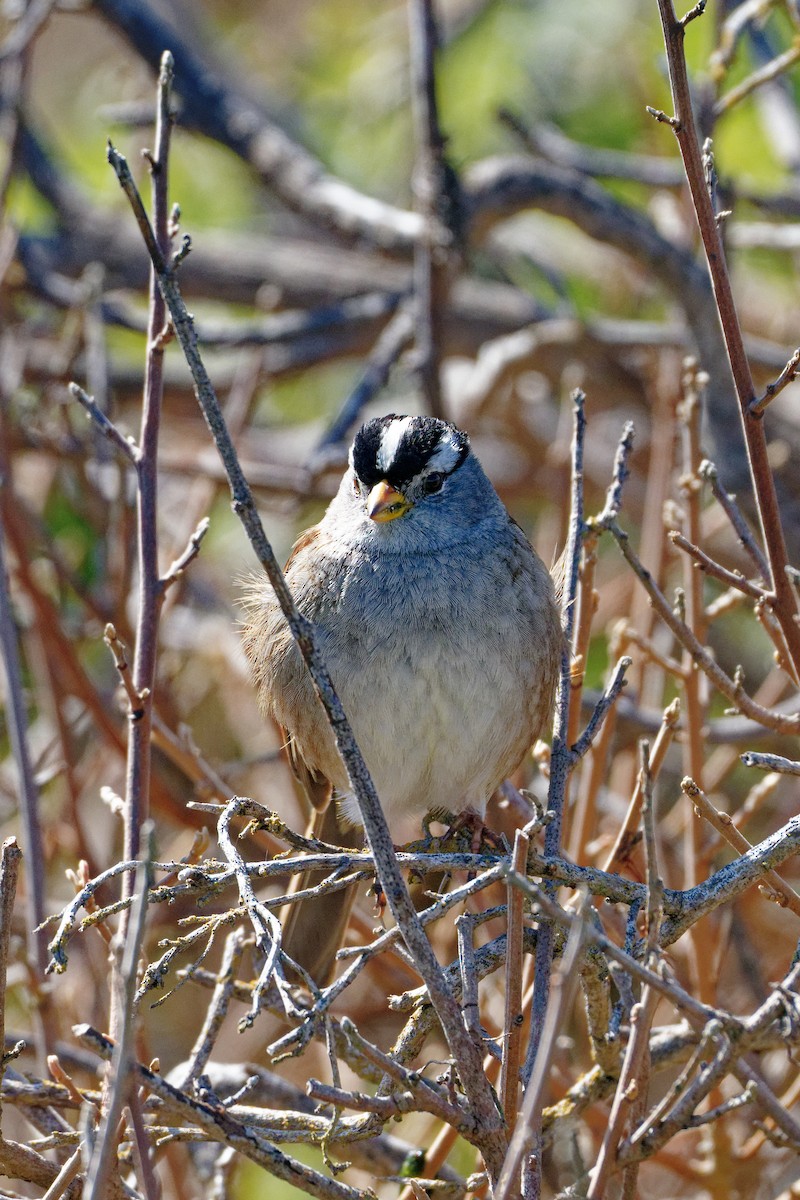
(314, 929)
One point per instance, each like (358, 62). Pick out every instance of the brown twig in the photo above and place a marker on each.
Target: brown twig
(654, 910)
(785, 604)
(513, 1019)
(704, 562)
(436, 192)
(595, 777)
(694, 686)
(627, 1091)
(627, 838)
(137, 783)
(787, 376)
(635, 1075)
(765, 74)
(729, 687)
(524, 1151)
(724, 825)
(28, 790)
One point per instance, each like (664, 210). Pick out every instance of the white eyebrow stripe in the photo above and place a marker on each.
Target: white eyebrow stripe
(390, 442)
(446, 455)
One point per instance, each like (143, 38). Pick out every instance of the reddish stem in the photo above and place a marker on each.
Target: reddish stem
(785, 604)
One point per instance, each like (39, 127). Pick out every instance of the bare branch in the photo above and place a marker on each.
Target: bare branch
(28, 789)
(560, 758)
(762, 477)
(124, 445)
(724, 825)
(771, 762)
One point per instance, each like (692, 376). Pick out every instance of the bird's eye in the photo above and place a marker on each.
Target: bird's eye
(434, 482)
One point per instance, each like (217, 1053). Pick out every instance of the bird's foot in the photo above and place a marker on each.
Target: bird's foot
(471, 825)
(380, 899)
(468, 827)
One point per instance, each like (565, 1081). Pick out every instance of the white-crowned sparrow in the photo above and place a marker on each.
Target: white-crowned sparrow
(439, 627)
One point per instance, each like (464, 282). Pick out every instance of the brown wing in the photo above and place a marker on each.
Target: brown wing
(306, 539)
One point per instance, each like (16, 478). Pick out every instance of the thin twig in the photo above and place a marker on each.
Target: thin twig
(772, 70)
(655, 885)
(69, 1171)
(435, 188)
(141, 1150)
(770, 762)
(10, 857)
(217, 1007)
(705, 563)
(785, 605)
(727, 502)
(694, 386)
(527, 1134)
(390, 345)
(123, 444)
(787, 376)
(467, 1055)
(700, 655)
(766, 1098)
(621, 471)
(28, 790)
(560, 757)
(627, 1089)
(124, 978)
(587, 606)
(176, 569)
(635, 1075)
(137, 781)
(601, 710)
(627, 837)
(265, 925)
(724, 825)
(513, 1019)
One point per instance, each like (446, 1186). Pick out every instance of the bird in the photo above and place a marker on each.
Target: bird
(440, 629)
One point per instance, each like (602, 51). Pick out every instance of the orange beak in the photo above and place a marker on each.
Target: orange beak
(384, 503)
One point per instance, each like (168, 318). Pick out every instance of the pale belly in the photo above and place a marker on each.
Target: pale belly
(439, 733)
(442, 683)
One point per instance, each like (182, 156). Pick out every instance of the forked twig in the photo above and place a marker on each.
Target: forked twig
(785, 604)
(724, 825)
